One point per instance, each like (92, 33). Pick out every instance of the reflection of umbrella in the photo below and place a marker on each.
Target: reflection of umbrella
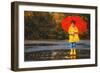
(80, 23)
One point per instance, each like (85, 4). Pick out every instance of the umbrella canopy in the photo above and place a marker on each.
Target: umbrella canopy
(80, 23)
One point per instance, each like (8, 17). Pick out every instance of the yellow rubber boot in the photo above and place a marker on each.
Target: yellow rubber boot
(74, 52)
(71, 52)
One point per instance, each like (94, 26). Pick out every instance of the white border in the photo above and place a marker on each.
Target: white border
(33, 64)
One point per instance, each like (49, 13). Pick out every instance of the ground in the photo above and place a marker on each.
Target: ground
(54, 50)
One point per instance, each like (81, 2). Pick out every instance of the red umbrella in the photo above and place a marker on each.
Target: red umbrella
(80, 23)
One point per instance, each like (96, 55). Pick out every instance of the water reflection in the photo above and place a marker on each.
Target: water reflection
(56, 55)
(73, 57)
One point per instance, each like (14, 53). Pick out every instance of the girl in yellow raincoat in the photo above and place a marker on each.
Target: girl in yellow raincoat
(73, 37)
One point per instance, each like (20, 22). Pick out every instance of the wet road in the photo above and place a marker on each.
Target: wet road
(54, 50)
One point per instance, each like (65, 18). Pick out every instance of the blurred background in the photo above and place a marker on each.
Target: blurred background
(47, 25)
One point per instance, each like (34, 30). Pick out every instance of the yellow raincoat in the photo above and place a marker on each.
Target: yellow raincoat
(73, 34)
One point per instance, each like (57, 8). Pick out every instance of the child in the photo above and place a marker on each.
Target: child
(73, 37)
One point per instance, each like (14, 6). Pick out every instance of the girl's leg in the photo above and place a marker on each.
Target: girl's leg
(71, 45)
(74, 44)
(71, 48)
(74, 48)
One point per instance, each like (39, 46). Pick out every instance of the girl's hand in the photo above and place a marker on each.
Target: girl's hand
(73, 33)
